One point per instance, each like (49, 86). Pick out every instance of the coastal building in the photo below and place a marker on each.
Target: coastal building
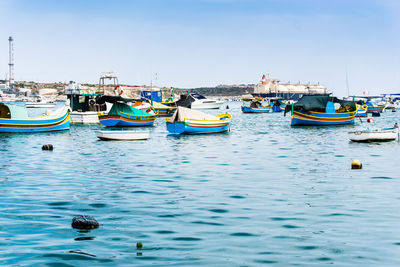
(269, 87)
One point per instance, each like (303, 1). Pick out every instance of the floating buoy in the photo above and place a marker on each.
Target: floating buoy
(84, 222)
(393, 110)
(370, 120)
(139, 245)
(227, 107)
(47, 147)
(356, 164)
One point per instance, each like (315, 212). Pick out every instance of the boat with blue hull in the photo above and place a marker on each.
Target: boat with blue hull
(256, 107)
(321, 111)
(187, 121)
(14, 118)
(278, 105)
(375, 108)
(122, 114)
(361, 111)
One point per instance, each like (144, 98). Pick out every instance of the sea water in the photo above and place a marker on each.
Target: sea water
(263, 193)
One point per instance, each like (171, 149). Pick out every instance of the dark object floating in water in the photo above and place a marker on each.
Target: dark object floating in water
(227, 107)
(84, 222)
(393, 110)
(356, 164)
(139, 245)
(47, 147)
(376, 114)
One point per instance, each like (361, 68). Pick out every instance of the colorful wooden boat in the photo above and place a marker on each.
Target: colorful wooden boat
(361, 111)
(188, 121)
(163, 110)
(14, 118)
(320, 110)
(124, 115)
(256, 107)
(278, 106)
(375, 108)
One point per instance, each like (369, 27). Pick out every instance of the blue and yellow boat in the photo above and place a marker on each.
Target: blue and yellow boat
(320, 110)
(361, 111)
(14, 118)
(375, 108)
(188, 121)
(255, 107)
(278, 105)
(122, 114)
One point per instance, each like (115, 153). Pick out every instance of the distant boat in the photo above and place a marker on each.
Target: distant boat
(278, 105)
(188, 121)
(14, 118)
(379, 135)
(123, 114)
(320, 110)
(122, 135)
(163, 110)
(374, 107)
(83, 103)
(256, 107)
(197, 101)
(40, 102)
(361, 111)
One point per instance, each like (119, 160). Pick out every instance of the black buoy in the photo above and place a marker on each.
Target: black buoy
(139, 245)
(393, 110)
(376, 114)
(84, 222)
(227, 107)
(47, 147)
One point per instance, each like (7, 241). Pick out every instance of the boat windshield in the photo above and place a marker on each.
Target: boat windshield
(198, 96)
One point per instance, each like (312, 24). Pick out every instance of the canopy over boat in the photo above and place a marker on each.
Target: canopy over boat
(114, 99)
(118, 107)
(183, 113)
(319, 103)
(12, 111)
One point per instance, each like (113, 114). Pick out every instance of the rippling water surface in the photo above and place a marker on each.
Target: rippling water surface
(264, 193)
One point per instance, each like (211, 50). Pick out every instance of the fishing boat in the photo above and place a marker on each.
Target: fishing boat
(40, 102)
(122, 135)
(14, 118)
(163, 110)
(372, 107)
(83, 102)
(122, 114)
(256, 107)
(320, 110)
(278, 105)
(188, 121)
(378, 135)
(361, 111)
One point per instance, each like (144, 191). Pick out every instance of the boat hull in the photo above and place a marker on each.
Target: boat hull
(122, 135)
(321, 119)
(379, 109)
(255, 110)
(84, 117)
(31, 125)
(197, 127)
(164, 112)
(373, 136)
(287, 96)
(361, 112)
(126, 121)
(277, 109)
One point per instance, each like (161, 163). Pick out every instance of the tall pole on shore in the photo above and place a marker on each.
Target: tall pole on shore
(11, 61)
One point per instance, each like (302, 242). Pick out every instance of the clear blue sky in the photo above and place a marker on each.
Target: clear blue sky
(192, 43)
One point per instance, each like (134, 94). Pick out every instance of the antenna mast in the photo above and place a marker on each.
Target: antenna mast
(11, 62)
